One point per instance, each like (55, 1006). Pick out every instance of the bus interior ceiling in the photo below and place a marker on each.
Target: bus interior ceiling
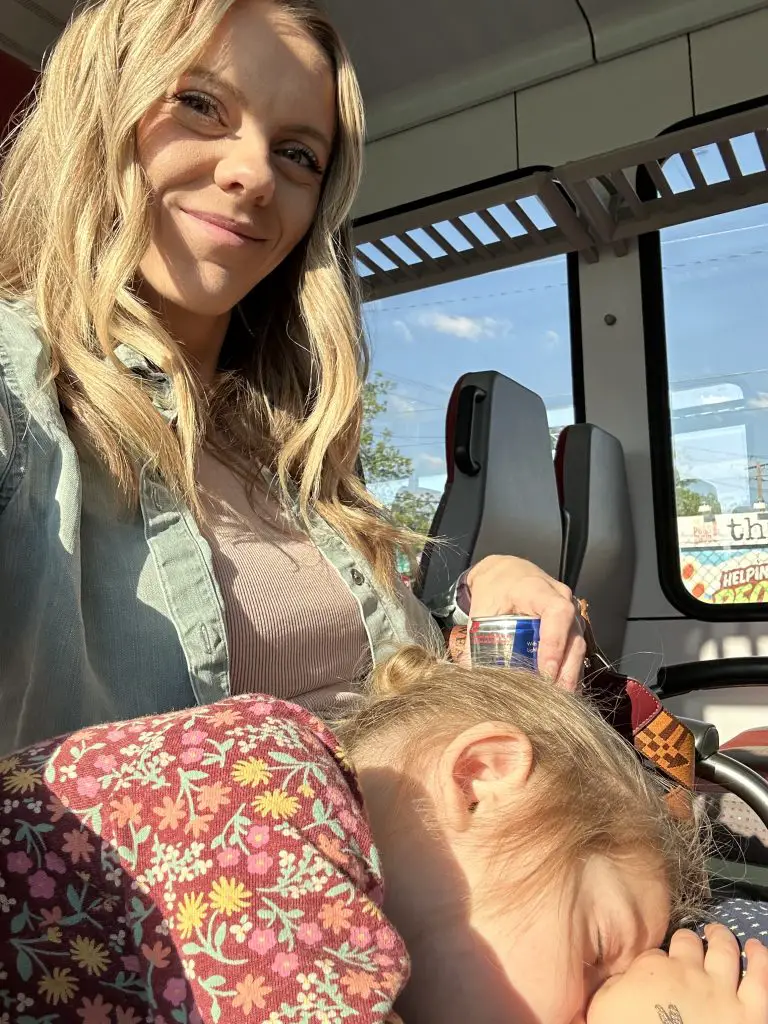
(503, 224)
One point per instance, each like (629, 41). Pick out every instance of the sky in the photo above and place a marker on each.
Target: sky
(517, 321)
(716, 305)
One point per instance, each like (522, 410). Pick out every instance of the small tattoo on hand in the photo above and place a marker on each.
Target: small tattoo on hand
(669, 1016)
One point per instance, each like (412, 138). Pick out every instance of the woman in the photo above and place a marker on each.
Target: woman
(217, 864)
(181, 363)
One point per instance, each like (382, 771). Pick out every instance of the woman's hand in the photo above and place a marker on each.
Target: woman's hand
(688, 986)
(505, 585)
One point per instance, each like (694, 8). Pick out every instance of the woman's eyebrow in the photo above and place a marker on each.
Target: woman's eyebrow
(209, 76)
(307, 129)
(206, 75)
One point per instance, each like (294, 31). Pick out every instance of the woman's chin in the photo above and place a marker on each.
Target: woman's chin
(205, 303)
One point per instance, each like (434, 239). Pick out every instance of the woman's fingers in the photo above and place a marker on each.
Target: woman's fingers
(555, 633)
(504, 585)
(572, 670)
(723, 957)
(687, 947)
(753, 991)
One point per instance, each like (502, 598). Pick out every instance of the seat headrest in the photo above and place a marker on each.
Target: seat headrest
(450, 427)
(500, 497)
(599, 555)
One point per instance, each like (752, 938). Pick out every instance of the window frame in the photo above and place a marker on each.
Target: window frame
(660, 412)
(573, 282)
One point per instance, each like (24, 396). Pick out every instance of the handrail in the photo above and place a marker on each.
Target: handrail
(688, 677)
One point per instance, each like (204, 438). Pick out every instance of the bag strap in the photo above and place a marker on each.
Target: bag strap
(656, 734)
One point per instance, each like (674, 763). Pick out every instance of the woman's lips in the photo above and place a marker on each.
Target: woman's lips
(224, 231)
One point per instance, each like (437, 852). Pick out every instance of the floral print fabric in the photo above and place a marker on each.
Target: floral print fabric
(210, 865)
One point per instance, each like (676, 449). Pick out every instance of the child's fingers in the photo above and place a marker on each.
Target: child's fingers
(753, 991)
(723, 957)
(686, 946)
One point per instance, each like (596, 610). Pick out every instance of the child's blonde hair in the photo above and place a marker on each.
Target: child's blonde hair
(592, 796)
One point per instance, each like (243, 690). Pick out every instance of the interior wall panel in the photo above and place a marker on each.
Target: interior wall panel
(730, 62)
(606, 106)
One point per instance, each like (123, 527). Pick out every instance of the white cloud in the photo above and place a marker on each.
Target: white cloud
(426, 463)
(402, 405)
(471, 328)
(404, 329)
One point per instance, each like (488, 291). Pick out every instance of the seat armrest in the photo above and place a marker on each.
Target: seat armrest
(706, 737)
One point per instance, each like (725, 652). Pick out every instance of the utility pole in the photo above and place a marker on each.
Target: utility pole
(759, 469)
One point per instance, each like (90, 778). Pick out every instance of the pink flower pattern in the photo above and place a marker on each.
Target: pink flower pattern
(253, 883)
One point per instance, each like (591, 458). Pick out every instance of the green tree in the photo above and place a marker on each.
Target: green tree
(382, 461)
(415, 511)
(689, 501)
(380, 458)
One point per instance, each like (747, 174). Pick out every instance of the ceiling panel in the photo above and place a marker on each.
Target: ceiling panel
(728, 61)
(59, 9)
(26, 32)
(401, 43)
(421, 60)
(623, 25)
(605, 106)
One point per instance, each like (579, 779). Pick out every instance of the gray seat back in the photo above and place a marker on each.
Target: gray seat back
(599, 548)
(501, 495)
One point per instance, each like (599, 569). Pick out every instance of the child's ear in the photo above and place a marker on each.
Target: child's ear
(481, 769)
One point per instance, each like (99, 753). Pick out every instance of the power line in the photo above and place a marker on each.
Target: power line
(724, 258)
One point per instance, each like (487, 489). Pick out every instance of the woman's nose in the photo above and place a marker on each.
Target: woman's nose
(246, 169)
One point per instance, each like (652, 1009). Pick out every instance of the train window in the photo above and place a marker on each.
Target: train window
(715, 286)
(516, 321)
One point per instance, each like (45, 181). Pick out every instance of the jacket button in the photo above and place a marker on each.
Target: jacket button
(357, 577)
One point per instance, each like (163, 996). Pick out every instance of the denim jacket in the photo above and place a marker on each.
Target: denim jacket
(107, 614)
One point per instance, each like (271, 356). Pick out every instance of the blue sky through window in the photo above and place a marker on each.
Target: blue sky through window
(517, 321)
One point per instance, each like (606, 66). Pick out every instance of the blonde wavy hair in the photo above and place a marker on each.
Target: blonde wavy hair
(75, 224)
(591, 795)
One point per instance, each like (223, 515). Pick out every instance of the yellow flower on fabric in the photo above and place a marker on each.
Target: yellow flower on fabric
(53, 934)
(229, 896)
(190, 913)
(89, 955)
(372, 910)
(253, 772)
(22, 781)
(343, 758)
(58, 987)
(8, 764)
(305, 790)
(277, 803)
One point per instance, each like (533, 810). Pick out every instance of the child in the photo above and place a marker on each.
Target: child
(217, 864)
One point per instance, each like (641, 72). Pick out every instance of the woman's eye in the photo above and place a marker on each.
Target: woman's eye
(302, 156)
(198, 103)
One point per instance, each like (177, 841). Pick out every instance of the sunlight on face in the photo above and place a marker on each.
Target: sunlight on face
(556, 951)
(235, 155)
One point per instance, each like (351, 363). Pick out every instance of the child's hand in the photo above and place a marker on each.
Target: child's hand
(688, 986)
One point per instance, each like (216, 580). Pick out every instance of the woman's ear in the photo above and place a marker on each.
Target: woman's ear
(481, 769)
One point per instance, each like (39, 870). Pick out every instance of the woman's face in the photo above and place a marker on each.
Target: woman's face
(235, 155)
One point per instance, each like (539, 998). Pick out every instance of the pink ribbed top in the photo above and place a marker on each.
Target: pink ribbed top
(293, 627)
